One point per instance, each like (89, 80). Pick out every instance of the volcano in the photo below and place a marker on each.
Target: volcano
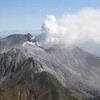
(60, 72)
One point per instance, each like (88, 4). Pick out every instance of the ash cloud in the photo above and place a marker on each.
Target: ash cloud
(52, 31)
(78, 27)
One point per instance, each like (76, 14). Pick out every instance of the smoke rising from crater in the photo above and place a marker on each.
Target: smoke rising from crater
(78, 27)
(51, 30)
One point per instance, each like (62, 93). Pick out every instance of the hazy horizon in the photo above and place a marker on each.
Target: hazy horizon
(5, 33)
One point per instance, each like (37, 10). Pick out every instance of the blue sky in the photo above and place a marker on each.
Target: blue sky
(29, 14)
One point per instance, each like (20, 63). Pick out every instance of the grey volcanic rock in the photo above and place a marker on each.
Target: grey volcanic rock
(28, 36)
(16, 69)
(85, 64)
(74, 68)
(13, 41)
(9, 62)
(76, 59)
(38, 38)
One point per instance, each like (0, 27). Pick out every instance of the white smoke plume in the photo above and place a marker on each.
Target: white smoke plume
(51, 30)
(28, 43)
(73, 28)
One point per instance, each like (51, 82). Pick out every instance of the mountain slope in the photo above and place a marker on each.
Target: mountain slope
(73, 67)
(80, 62)
(28, 81)
(68, 69)
(13, 41)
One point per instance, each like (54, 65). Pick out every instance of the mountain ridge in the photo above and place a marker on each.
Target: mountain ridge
(76, 70)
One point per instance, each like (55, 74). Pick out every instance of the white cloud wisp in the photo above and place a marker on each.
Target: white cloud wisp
(73, 28)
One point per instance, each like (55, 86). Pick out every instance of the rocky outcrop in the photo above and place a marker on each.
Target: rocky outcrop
(13, 41)
(28, 81)
(60, 72)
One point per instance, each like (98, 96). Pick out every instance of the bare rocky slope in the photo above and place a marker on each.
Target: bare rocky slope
(60, 72)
